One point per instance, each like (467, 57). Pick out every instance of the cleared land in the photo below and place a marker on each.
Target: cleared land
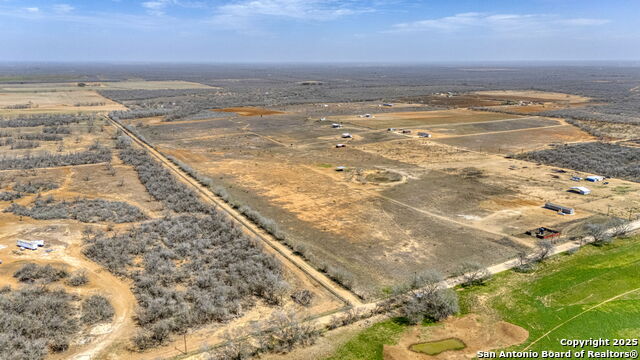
(532, 95)
(248, 111)
(403, 203)
(421, 118)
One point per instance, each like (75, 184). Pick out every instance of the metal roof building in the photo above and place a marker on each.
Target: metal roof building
(580, 190)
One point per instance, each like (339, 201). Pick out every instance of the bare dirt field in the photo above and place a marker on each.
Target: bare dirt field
(532, 95)
(249, 111)
(42, 101)
(518, 140)
(402, 203)
(421, 118)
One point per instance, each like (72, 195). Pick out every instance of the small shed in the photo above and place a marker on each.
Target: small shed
(336, 125)
(341, 168)
(560, 209)
(405, 131)
(424, 135)
(341, 145)
(594, 178)
(323, 118)
(391, 129)
(387, 104)
(576, 178)
(580, 190)
(346, 136)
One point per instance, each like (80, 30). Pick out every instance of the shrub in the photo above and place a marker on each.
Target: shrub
(44, 119)
(34, 319)
(282, 332)
(83, 210)
(9, 195)
(96, 309)
(56, 130)
(610, 160)
(544, 250)
(78, 278)
(33, 187)
(160, 183)
(41, 137)
(473, 273)
(24, 144)
(33, 272)
(218, 269)
(599, 233)
(92, 156)
(302, 297)
(432, 304)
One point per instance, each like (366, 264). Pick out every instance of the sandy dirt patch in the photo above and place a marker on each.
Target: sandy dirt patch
(418, 118)
(249, 111)
(536, 95)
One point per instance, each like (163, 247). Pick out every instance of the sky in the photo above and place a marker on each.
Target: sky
(317, 31)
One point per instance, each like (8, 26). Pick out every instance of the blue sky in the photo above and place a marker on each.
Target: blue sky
(318, 30)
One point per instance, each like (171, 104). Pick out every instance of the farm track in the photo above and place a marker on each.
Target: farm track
(443, 218)
(297, 262)
(273, 244)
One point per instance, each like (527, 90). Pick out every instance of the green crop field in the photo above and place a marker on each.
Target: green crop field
(594, 293)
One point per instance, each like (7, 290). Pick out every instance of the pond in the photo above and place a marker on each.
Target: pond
(436, 347)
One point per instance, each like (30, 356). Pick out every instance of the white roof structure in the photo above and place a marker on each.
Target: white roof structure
(581, 189)
(594, 178)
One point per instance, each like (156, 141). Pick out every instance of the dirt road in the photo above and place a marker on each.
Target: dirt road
(294, 262)
(286, 255)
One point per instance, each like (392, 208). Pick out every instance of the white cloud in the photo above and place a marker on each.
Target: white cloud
(32, 9)
(585, 22)
(238, 13)
(494, 22)
(157, 7)
(63, 8)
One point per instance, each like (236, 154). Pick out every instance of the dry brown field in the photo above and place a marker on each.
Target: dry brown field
(404, 204)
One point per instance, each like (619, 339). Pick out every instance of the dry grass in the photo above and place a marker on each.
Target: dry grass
(249, 111)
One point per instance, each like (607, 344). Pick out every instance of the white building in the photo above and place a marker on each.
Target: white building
(580, 190)
(31, 245)
(594, 178)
